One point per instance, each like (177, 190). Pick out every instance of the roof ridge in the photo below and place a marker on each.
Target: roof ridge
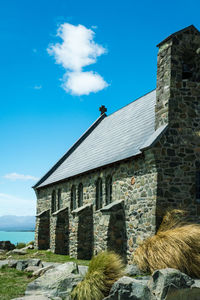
(70, 150)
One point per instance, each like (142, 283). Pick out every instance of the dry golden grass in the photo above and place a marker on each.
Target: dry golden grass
(174, 246)
(104, 269)
(173, 218)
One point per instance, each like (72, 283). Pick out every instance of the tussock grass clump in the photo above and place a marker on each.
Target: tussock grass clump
(104, 269)
(173, 218)
(176, 245)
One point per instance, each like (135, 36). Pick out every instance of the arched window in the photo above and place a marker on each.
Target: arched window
(80, 195)
(53, 201)
(98, 193)
(59, 199)
(108, 190)
(73, 197)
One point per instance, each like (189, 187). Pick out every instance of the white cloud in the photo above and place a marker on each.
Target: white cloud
(15, 176)
(83, 83)
(78, 48)
(12, 205)
(76, 51)
(37, 87)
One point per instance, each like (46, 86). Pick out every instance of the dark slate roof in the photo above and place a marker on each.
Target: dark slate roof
(110, 139)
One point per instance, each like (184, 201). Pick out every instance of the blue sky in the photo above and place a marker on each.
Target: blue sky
(39, 119)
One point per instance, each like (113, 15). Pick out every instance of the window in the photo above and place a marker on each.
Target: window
(80, 195)
(53, 201)
(73, 197)
(187, 64)
(108, 190)
(59, 199)
(198, 185)
(98, 193)
(187, 71)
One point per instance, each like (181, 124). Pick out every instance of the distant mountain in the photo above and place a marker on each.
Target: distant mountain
(16, 223)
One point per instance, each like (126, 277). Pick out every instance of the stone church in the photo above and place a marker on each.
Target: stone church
(111, 188)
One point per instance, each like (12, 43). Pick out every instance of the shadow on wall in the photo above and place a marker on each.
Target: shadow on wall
(44, 230)
(62, 233)
(117, 235)
(85, 234)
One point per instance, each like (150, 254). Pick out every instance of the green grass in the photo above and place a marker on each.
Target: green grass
(46, 256)
(13, 283)
(20, 245)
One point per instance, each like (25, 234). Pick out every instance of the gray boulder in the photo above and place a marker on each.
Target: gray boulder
(17, 251)
(165, 284)
(37, 298)
(12, 263)
(169, 284)
(82, 270)
(27, 247)
(43, 270)
(3, 263)
(129, 288)
(57, 282)
(35, 262)
(32, 269)
(45, 267)
(23, 264)
(196, 284)
(133, 270)
(192, 293)
(6, 245)
(45, 264)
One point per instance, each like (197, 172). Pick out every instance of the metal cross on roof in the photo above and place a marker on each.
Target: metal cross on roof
(102, 109)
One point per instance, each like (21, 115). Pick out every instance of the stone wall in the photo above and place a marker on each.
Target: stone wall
(134, 182)
(178, 104)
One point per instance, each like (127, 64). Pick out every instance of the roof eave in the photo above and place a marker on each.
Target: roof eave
(77, 143)
(154, 138)
(89, 171)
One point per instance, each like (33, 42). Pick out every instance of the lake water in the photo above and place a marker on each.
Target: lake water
(17, 236)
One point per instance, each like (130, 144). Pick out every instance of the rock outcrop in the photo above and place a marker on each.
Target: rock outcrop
(24, 264)
(165, 284)
(6, 245)
(57, 282)
(130, 289)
